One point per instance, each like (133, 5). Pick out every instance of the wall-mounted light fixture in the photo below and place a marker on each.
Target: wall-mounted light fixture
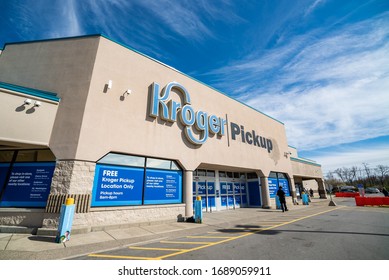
(37, 104)
(27, 101)
(109, 85)
(128, 91)
(286, 154)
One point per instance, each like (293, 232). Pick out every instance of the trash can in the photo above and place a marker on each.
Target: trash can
(305, 199)
(278, 203)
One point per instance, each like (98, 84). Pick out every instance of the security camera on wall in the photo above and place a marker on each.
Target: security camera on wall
(37, 104)
(27, 102)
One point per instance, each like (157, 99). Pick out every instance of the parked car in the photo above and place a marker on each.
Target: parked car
(349, 189)
(372, 190)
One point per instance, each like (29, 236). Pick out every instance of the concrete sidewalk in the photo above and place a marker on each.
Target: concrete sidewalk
(40, 247)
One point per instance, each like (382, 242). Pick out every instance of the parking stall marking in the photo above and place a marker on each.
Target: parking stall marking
(155, 249)
(224, 239)
(208, 237)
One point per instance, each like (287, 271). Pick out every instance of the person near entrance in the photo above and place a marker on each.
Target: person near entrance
(281, 196)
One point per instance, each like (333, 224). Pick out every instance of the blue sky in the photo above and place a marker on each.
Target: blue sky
(319, 66)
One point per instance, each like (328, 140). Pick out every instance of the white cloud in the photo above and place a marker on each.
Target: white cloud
(328, 90)
(372, 155)
(312, 7)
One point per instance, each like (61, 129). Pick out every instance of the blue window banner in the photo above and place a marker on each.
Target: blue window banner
(28, 185)
(243, 188)
(194, 188)
(224, 201)
(230, 189)
(244, 199)
(236, 188)
(211, 201)
(254, 197)
(223, 188)
(117, 186)
(285, 186)
(238, 200)
(273, 186)
(163, 187)
(211, 188)
(201, 188)
(274, 183)
(4, 167)
(230, 200)
(203, 203)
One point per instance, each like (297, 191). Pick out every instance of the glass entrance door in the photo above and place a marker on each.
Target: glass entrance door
(206, 190)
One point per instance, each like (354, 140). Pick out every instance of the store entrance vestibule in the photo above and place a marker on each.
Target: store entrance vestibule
(220, 190)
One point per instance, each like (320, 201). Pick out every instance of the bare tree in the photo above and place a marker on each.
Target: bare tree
(368, 174)
(382, 172)
(347, 175)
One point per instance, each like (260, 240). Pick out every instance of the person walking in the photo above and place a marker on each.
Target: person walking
(281, 196)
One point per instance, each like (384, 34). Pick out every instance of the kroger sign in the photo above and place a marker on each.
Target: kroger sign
(205, 125)
(170, 110)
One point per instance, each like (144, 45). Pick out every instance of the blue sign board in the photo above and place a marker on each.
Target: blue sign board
(201, 188)
(274, 183)
(28, 185)
(237, 188)
(163, 186)
(285, 186)
(223, 188)
(211, 188)
(115, 185)
(229, 188)
(273, 186)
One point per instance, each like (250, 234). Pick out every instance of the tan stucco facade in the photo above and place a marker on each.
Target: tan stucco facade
(105, 92)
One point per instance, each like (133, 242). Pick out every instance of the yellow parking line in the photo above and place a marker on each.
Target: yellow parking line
(243, 235)
(207, 244)
(156, 249)
(119, 257)
(208, 236)
(186, 242)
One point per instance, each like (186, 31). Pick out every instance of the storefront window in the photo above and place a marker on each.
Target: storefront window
(25, 181)
(159, 163)
(122, 180)
(273, 175)
(125, 160)
(34, 156)
(6, 156)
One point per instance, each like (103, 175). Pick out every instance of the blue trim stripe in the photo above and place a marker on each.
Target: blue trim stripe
(34, 92)
(304, 161)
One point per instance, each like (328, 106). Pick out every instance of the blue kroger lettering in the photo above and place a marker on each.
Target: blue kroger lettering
(168, 110)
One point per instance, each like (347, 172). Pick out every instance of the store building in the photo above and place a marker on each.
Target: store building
(130, 138)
